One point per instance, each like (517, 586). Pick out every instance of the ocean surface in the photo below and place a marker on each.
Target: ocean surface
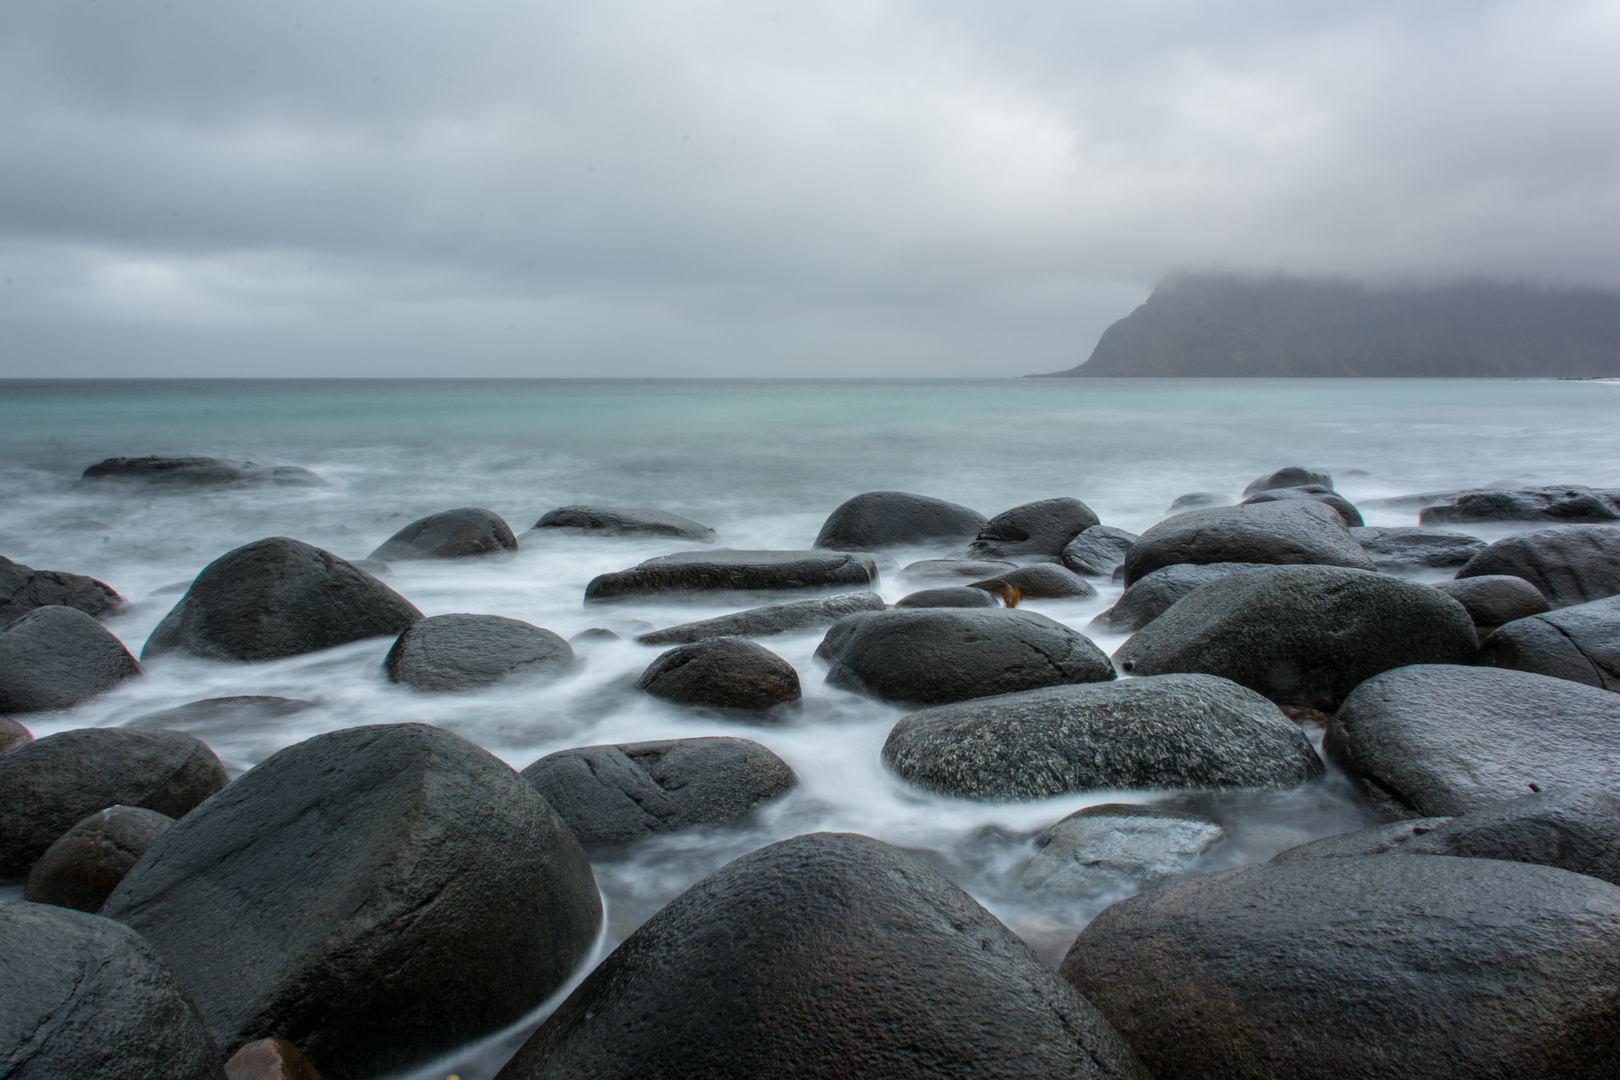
(763, 463)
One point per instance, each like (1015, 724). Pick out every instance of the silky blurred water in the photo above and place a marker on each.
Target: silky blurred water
(763, 463)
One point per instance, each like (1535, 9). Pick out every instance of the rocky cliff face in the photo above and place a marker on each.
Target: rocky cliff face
(1280, 327)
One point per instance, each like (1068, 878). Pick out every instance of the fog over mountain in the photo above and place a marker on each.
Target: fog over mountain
(839, 188)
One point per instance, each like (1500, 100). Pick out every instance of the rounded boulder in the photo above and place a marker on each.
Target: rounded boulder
(468, 652)
(963, 596)
(1287, 477)
(1493, 599)
(1292, 531)
(13, 734)
(86, 864)
(56, 657)
(1397, 549)
(1570, 564)
(1153, 594)
(722, 672)
(1097, 551)
(1042, 581)
(1580, 643)
(465, 532)
(1037, 530)
(880, 519)
(625, 521)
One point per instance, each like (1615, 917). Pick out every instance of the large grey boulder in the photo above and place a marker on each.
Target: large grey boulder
(1441, 740)
(376, 895)
(721, 673)
(1042, 581)
(1037, 530)
(1288, 532)
(275, 598)
(1397, 549)
(1302, 635)
(1152, 594)
(85, 998)
(1172, 731)
(931, 656)
(469, 652)
(1574, 504)
(793, 617)
(1570, 565)
(1493, 599)
(611, 795)
(824, 955)
(625, 521)
(1383, 966)
(1097, 551)
(1581, 643)
(200, 472)
(51, 784)
(22, 588)
(880, 519)
(56, 657)
(1287, 477)
(1117, 846)
(82, 868)
(453, 534)
(727, 574)
(1311, 493)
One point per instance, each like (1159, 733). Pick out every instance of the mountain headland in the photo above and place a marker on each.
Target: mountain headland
(1227, 326)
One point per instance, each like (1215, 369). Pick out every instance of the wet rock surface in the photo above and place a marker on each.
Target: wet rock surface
(717, 575)
(270, 1059)
(278, 597)
(56, 657)
(1043, 581)
(722, 673)
(1379, 966)
(201, 472)
(1288, 532)
(618, 794)
(376, 895)
(13, 734)
(1287, 477)
(1373, 841)
(1152, 594)
(50, 785)
(1573, 829)
(957, 596)
(1573, 504)
(1311, 493)
(1302, 635)
(625, 521)
(466, 532)
(795, 616)
(1570, 565)
(1097, 551)
(1037, 530)
(838, 955)
(1397, 549)
(1117, 846)
(221, 715)
(1494, 599)
(880, 519)
(1580, 643)
(1169, 731)
(85, 998)
(953, 571)
(1442, 740)
(82, 868)
(22, 588)
(466, 652)
(936, 655)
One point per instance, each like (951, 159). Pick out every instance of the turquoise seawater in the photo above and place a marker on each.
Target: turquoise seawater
(763, 463)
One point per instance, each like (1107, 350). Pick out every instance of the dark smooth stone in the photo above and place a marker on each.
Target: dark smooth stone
(1302, 635)
(612, 795)
(377, 895)
(1442, 740)
(465, 532)
(1288, 477)
(932, 656)
(954, 570)
(1170, 731)
(201, 472)
(1384, 966)
(51, 784)
(221, 716)
(1494, 599)
(1043, 581)
(270, 1059)
(275, 598)
(85, 998)
(594, 635)
(880, 519)
(721, 574)
(723, 673)
(958, 596)
(1097, 551)
(1573, 504)
(1405, 548)
(57, 657)
(1194, 500)
(1289, 532)
(793, 617)
(87, 862)
(1153, 594)
(13, 734)
(1581, 643)
(22, 588)
(469, 652)
(1311, 493)
(625, 521)
(1570, 565)
(1373, 841)
(1571, 828)
(824, 955)
(1037, 530)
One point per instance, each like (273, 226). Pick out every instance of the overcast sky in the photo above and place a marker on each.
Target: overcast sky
(815, 187)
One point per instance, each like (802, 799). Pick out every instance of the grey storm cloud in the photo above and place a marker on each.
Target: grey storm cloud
(839, 188)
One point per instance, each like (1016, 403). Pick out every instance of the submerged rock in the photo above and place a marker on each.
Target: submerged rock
(1097, 551)
(1288, 532)
(714, 575)
(840, 956)
(611, 795)
(221, 716)
(1194, 500)
(1172, 731)
(1117, 846)
(795, 616)
(957, 596)
(955, 571)
(82, 868)
(1037, 530)
(625, 521)
(468, 652)
(275, 598)
(880, 519)
(201, 472)
(1406, 548)
(22, 588)
(1311, 493)
(722, 673)
(57, 657)
(1043, 581)
(453, 534)
(1570, 565)
(1153, 594)
(1580, 643)
(1287, 477)
(1573, 504)
(377, 895)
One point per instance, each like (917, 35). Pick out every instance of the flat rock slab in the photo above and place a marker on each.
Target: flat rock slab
(1388, 967)
(618, 794)
(85, 998)
(719, 574)
(377, 895)
(931, 656)
(1037, 530)
(1302, 635)
(1570, 565)
(880, 519)
(50, 785)
(1580, 643)
(824, 955)
(625, 521)
(958, 596)
(722, 673)
(57, 657)
(953, 571)
(795, 616)
(22, 588)
(1117, 846)
(1442, 740)
(201, 472)
(88, 861)
(1043, 581)
(221, 716)
(1153, 594)
(1170, 731)
(466, 532)
(468, 652)
(1395, 549)
(1289, 532)
(275, 598)
(1574, 504)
